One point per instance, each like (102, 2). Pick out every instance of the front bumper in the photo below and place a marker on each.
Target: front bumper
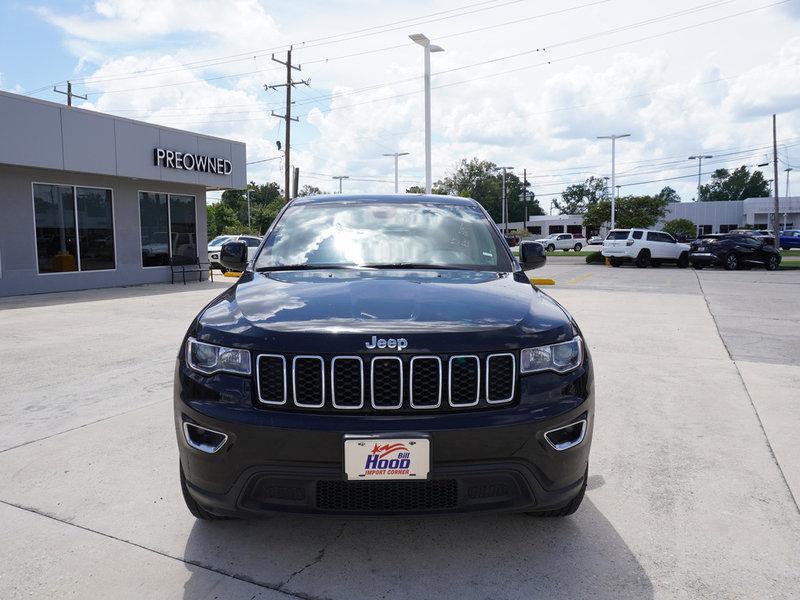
(705, 259)
(481, 460)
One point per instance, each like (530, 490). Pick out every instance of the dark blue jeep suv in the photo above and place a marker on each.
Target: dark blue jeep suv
(383, 355)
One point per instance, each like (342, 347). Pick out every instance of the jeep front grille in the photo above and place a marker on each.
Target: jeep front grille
(382, 384)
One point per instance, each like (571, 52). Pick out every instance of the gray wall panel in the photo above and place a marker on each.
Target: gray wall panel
(89, 142)
(135, 143)
(30, 133)
(239, 158)
(180, 142)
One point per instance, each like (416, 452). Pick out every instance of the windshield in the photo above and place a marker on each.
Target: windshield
(621, 234)
(384, 234)
(219, 240)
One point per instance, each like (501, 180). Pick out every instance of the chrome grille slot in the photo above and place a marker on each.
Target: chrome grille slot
(500, 378)
(464, 383)
(308, 381)
(425, 382)
(347, 382)
(386, 382)
(271, 378)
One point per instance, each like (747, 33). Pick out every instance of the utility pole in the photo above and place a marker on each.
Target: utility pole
(699, 159)
(776, 232)
(525, 196)
(287, 168)
(340, 177)
(396, 156)
(248, 208)
(69, 93)
(504, 204)
(613, 137)
(423, 41)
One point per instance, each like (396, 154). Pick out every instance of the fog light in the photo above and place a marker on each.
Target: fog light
(568, 436)
(203, 439)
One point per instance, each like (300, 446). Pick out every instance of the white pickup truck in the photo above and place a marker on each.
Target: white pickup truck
(644, 248)
(563, 241)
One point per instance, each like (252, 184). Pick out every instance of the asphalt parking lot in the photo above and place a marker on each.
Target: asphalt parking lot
(694, 477)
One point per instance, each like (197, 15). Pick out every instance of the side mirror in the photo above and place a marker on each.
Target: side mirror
(531, 255)
(233, 255)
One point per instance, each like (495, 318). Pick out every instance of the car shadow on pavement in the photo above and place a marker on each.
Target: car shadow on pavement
(497, 556)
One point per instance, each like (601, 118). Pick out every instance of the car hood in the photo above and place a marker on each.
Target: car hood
(340, 311)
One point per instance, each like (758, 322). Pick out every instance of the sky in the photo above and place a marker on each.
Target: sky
(522, 83)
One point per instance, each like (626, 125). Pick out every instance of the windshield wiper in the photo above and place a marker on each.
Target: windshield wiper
(410, 265)
(320, 267)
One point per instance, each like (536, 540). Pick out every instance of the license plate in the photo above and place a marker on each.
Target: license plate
(396, 458)
(701, 249)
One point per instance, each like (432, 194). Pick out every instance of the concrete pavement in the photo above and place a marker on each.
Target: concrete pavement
(687, 497)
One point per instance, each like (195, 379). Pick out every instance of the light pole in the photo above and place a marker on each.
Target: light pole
(787, 169)
(428, 47)
(396, 156)
(613, 137)
(504, 206)
(248, 207)
(340, 177)
(699, 159)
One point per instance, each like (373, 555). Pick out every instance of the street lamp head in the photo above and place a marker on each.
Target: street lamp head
(435, 48)
(420, 39)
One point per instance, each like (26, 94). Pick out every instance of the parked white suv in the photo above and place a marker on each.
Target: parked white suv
(644, 248)
(563, 241)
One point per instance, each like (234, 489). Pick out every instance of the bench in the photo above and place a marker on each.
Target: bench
(182, 265)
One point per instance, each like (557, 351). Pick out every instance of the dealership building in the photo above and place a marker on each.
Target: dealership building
(90, 200)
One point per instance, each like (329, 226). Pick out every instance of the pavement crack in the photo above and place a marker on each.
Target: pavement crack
(749, 397)
(194, 563)
(317, 559)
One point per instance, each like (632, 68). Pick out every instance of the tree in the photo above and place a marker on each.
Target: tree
(668, 194)
(415, 189)
(631, 211)
(680, 228)
(736, 185)
(310, 190)
(482, 181)
(220, 216)
(576, 199)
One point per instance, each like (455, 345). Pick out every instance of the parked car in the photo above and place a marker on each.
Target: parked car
(644, 248)
(790, 239)
(511, 240)
(563, 241)
(358, 367)
(762, 234)
(733, 251)
(215, 245)
(595, 240)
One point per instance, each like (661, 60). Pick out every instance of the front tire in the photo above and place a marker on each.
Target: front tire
(731, 262)
(577, 247)
(551, 248)
(772, 263)
(683, 260)
(570, 507)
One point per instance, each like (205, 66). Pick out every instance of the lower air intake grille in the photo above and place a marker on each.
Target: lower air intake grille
(387, 496)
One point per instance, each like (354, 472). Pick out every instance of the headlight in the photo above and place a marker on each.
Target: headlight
(209, 359)
(561, 358)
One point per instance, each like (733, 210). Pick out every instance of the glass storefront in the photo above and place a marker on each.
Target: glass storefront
(168, 228)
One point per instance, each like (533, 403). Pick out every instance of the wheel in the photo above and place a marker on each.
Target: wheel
(683, 260)
(222, 270)
(697, 266)
(731, 262)
(577, 247)
(613, 262)
(198, 511)
(772, 263)
(570, 507)
(643, 260)
(551, 247)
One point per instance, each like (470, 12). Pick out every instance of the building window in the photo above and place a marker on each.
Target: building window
(574, 228)
(168, 228)
(535, 229)
(704, 229)
(555, 229)
(74, 228)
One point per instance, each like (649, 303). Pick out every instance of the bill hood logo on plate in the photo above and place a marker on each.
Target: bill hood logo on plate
(378, 458)
(376, 342)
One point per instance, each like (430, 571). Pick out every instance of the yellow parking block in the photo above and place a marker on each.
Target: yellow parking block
(232, 274)
(542, 281)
